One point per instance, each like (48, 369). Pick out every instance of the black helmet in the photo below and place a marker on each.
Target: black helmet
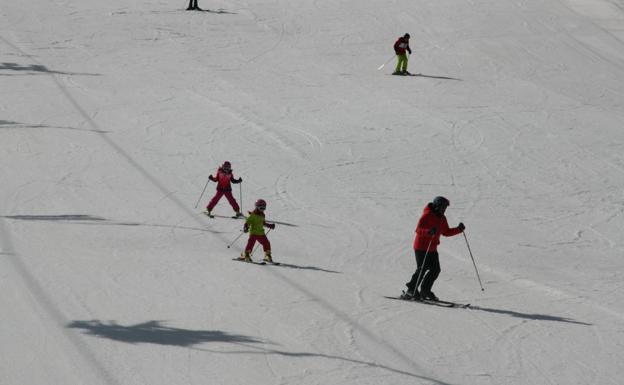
(440, 202)
(407, 36)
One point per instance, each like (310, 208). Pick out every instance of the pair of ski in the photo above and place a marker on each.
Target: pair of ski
(223, 216)
(257, 262)
(439, 302)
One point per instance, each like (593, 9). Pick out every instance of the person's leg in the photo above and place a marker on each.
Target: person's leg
(404, 64)
(230, 198)
(433, 271)
(412, 285)
(215, 199)
(266, 246)
(399, 65)
(248, 248)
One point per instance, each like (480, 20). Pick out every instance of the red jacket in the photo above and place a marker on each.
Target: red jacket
(429, 220)
(401, 46)
(223, 180)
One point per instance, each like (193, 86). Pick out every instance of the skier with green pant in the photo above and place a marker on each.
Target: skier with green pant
(400, 48)
(254, 225)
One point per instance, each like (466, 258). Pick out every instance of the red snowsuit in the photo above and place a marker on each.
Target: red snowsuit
(224, 187)
(426, 250)
(401, 46)
(429, 220)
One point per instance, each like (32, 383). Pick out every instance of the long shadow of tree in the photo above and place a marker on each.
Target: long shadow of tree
(155, 332)
(530, 316)
(11, 124)
(85, 219)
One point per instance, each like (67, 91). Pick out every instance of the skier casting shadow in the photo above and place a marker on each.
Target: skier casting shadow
(224, 179)
(431, 225)
(401, 47)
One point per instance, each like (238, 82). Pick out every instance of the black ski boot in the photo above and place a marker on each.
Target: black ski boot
(429, 296)
(411, 296)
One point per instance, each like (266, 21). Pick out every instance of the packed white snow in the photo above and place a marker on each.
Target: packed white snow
(113, 114)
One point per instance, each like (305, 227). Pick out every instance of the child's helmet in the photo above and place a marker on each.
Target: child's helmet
(261, 204)
(226, 165)
(407, 36)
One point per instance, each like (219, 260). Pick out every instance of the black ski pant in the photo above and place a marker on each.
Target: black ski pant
(430, 269)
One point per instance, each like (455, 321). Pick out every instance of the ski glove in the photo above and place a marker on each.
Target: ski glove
(461, 226)
(271, 225)
(245, 228)
(433, 231)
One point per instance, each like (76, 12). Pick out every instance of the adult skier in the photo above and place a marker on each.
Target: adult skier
(431, 225)
(224, 178)
(401, 46)
(255, 225)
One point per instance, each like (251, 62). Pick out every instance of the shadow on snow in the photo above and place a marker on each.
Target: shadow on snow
(219, 11)
(36, 68)
(530, 316)
(436, 77)
(99, 221)
(291, 266)
(155, 332)
(10, 124)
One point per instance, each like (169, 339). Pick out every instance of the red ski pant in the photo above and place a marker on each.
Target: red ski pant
(264, 241)
(228, 194)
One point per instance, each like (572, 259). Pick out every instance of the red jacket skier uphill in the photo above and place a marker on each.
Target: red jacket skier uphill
(431, 225)
(224, 178)
(255, 225)
(400, 48)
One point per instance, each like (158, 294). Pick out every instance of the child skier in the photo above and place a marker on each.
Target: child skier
(402, 45)
(431, 225)
(223, 179)
(255, 225)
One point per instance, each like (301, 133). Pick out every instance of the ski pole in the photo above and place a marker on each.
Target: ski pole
(255, 247)
(422, 268)
(387, 61)
(240, 193)
(473, 261)
(235, 239)
(202, 193)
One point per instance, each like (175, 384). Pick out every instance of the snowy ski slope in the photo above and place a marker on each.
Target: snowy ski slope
(113, 113)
